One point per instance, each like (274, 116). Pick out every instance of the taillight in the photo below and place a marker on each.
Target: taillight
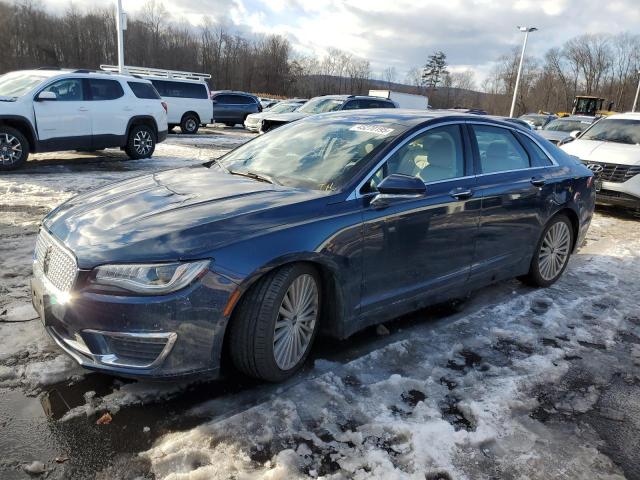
(164, 105)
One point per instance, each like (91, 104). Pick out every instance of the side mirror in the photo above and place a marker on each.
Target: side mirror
(398, 187)
(47, 96)
(575, 134)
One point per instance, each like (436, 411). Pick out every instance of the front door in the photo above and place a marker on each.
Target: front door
(64, 123)
(422, 247)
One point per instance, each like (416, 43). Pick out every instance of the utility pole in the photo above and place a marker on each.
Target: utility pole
(526, 31)
(121, 26)
(635, 101)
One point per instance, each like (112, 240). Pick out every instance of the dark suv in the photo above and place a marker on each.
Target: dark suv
(231, 108)
(326, 103)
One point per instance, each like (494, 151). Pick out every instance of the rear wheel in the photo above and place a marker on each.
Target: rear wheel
(14, 148)
(552, 253)
(230, 124)
(275, 325)
(141, 142)
(190, 124)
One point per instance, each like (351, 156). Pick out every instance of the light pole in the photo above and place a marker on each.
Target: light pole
(526, 31)
(121, 26)
(635, 101)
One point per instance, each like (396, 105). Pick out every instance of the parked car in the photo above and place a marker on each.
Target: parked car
(537, 120)
(327, 103)
(231, 108)
(185, 93)
(253, 121)
(332, 223)
(267, 102)
(53, 110)
(611, 148)
(559, 129)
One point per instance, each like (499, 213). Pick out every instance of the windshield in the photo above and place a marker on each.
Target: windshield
(316, 155)
(283, 107)
(615, 130)
(536, 120)
(17, 84)
(562, 125)
(321, 105)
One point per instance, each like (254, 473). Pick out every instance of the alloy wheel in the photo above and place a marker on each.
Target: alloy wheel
(296, 322)
(142, 142)
(190, 125)
(10, 149)
(554, 251)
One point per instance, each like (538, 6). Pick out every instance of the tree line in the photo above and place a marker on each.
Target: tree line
(605, 65)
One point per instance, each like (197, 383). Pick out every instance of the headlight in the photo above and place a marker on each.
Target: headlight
(150, 279)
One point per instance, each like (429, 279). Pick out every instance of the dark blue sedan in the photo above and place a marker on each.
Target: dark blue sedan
(329, 224)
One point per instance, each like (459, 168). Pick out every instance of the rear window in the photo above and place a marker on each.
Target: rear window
(105, 89)
(168, 88)
(143, 90)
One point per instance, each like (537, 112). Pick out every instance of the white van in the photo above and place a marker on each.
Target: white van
(186, 94)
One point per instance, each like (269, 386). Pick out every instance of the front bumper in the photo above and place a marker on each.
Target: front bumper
(624, 194)
(168, 336)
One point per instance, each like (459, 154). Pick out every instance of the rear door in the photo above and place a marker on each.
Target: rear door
(422, 247)
(109, 110)
(64, 123)
(515, 188)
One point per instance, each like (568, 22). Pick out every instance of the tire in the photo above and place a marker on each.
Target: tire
(141, 142)
(230, 124)
(555, 245)
(14, 148)
(190, 124)
(255, 348)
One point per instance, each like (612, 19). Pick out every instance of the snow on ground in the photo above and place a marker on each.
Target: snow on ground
(27, 356)
(507, 391)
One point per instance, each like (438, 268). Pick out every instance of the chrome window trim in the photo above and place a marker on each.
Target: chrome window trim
(356, 192)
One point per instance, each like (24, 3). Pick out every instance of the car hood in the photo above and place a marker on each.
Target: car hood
(552, 134)
(173, 215)
(286, 117)
(608, 152)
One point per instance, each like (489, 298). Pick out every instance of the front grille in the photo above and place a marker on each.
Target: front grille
(136, 350)
(54, 262)
(616, 173)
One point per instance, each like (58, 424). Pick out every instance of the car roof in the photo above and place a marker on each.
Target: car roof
(353, 97)
(233, 92)
(84, 73)
(625, 116)
(410, 118)
(582, 118)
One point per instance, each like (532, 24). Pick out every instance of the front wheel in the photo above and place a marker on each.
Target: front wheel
(14, 148)
(552, 253)
(275, 325)
(141, 142)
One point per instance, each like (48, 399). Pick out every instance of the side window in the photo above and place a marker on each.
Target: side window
(223, 99)
(161, 87)
(537, 155)
(432, 156)
(352, 105)
(67, 90)
(499, 149)
(143, 90)
(105, 89)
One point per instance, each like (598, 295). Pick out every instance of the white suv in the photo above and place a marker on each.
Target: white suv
(186, 94)
(53, 110)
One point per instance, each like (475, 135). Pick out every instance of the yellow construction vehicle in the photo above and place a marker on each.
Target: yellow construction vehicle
(588, 105)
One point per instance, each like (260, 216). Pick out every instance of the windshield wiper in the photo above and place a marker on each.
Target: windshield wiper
(256, 176)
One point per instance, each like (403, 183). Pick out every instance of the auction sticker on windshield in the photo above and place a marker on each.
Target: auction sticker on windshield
(376, 129)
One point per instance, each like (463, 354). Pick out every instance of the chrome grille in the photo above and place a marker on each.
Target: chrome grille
(54, 262)
(616, 173)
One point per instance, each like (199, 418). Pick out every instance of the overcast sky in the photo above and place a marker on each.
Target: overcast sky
(402, 33)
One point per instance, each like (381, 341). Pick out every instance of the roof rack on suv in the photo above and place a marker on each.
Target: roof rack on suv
(158, 72)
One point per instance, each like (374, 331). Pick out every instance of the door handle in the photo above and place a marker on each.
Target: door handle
(461, 193)
(538, 181)
(83, 109)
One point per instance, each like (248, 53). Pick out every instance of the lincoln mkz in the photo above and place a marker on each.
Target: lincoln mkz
(324, 226)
